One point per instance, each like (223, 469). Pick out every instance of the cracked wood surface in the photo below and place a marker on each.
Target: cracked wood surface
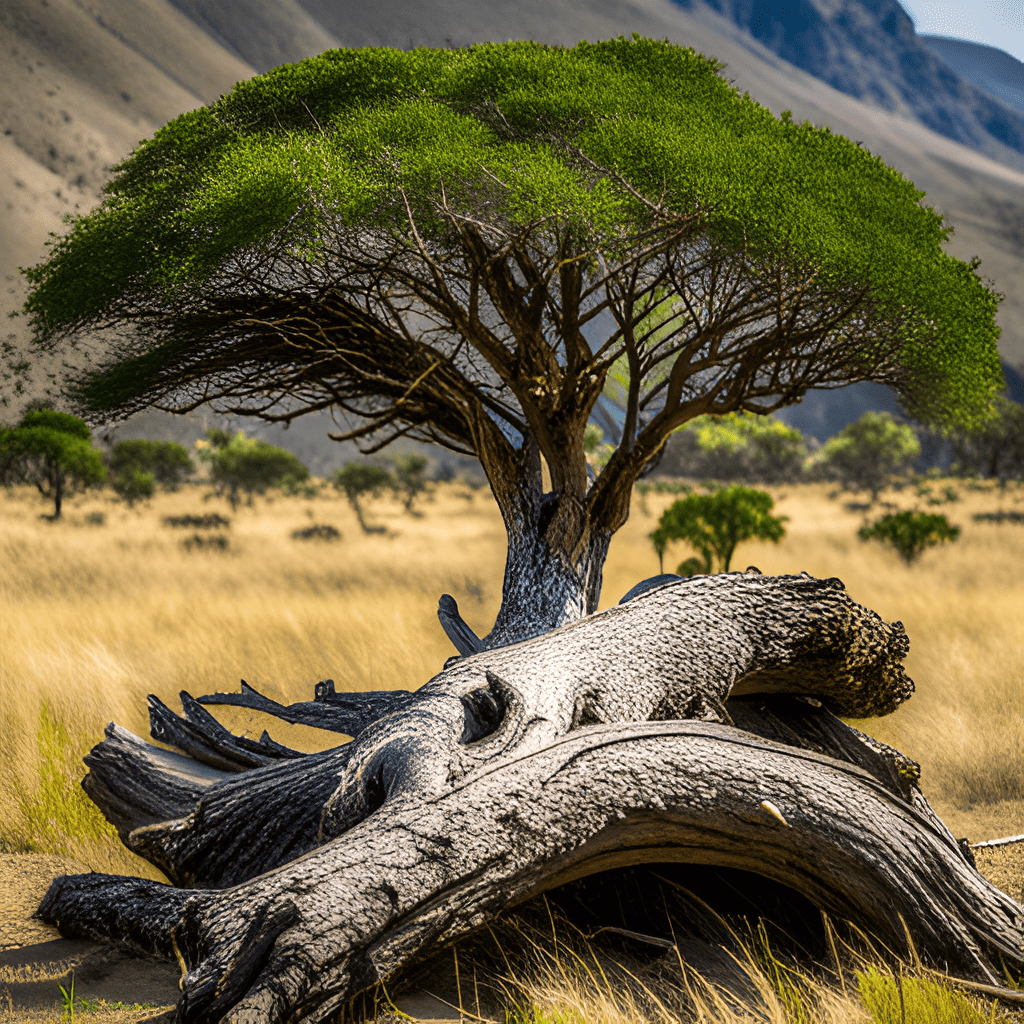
(299, 942)
(675, 651)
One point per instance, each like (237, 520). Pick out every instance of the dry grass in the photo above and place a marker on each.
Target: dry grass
(94, 617)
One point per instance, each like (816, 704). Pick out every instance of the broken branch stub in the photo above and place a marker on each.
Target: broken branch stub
(603, 743)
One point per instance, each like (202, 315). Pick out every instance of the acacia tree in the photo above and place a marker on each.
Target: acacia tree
(489, 248)
(481, 247)
(52, 450)
(868, 454)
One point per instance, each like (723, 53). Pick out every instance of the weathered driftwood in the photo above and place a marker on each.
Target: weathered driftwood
(298, 942)
(674, 652)
(664, 729)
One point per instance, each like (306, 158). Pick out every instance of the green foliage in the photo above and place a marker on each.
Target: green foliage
(409, 481)
(715, 523)
(134, 484)
(901, 1001)
(738, 446)
(168, 461)
(995, 447)
(910, 532)
(52, 450)
(68, 999)
(868, 454)
(358, 479)
(352, 136)
(595, 449)
(240, 464)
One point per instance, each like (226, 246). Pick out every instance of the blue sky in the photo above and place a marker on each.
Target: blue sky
(996, 22)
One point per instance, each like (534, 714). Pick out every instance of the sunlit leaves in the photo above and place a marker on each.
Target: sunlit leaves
(604, 142)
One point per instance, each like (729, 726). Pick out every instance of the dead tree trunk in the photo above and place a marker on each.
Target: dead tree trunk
(620, 739)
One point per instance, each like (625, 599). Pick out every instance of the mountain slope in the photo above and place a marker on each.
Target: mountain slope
(68, 69)
(869, 49)
(988, 67)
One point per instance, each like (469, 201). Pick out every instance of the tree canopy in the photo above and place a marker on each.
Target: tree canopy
(52, 450)
(490, 247)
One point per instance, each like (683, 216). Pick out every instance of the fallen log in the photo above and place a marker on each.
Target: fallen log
(677, 651)
(693, 723)
(299, 942)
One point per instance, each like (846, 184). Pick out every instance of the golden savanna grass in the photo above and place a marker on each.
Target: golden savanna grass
(95, 617)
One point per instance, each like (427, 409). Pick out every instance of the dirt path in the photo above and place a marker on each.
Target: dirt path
(110, 986)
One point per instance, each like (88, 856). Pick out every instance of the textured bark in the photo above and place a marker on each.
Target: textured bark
(298, 943)
(674, 651)
(693, 722)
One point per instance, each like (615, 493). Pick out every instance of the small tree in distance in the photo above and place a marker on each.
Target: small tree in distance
(409, 482)
(738, 447)
(168, 461)
(994, 448)
(715, 524)
(909, 533)
(867, 455)
(358, 479)
(133, 484)
(240, 464)
(137, 466)
(52, 450)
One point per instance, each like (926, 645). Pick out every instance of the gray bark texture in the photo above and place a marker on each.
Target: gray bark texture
(691, 723)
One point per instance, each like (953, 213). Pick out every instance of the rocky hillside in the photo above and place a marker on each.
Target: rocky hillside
(997, 72)
(869, 49)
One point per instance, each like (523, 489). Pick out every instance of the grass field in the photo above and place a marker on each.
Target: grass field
(94, 616)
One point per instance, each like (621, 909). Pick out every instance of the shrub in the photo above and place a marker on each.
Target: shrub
(211, 521)
(132, 485)
(996, 447)
(246, 464)
(168, 461)
(715, 523)
(316, 532)
(867, 455)
(739, 446)
(218, 542)
(409, 480)
(357, 479)
(911, 532)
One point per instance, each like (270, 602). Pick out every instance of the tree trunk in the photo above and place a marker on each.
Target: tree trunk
(620, 739)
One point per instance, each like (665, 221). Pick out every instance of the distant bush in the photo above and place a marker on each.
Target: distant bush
(168, 461)
(359, 479)
(739, 446)
(240, 464)
(999, 517)
(133, 485)
(714, 524)
(210, 521)
(409, 480)
(214, 542)
(994, 449)
(867, 455)
(911, 532)
(320, 532)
